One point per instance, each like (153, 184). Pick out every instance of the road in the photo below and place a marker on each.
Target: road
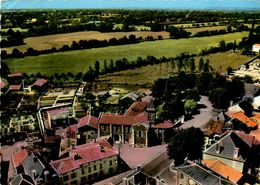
(200, 120)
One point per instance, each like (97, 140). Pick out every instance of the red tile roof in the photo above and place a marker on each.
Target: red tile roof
(223, 170)
(258, 45)
(87, 153)
(88, 120)
(2, 84)
(248, 139)
(40, 82)
(256, 134)
(244, 119)
(15, 87)
(164, 125)
(136, 108)
(19, 156)
(58, 111)
(15, 75)
(123, 119)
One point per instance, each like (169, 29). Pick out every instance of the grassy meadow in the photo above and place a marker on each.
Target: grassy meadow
(147, 74)
(80, 60)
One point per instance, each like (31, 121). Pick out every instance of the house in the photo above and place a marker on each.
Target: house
(163, 131)
(57, 117)
(224, 170)
(15, 87)
(87, 163)
(256, 47)
(15, 78)
(237, 150)
(193, 173)
(87, 128)
(242, 118)
(29, 168)
(125, 128)
(40, 84)
(256, 103)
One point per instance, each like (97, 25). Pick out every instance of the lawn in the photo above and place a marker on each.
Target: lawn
(148, 74)
(80, 60)
(58, 40)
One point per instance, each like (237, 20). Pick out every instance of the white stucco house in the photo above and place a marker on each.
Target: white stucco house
(256, 48)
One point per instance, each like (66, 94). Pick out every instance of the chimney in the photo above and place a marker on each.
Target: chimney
(235, 154)
(138, 168)
(102, 148)
(34, 174)
(218, 146)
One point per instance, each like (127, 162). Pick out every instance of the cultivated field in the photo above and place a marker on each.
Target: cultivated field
(80, 60)
(58, 40)
(148, 74)
(209, 28)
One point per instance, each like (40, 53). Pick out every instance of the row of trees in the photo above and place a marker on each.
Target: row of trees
(82, 44)
(13, 39)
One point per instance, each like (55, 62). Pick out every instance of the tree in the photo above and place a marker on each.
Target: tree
(97, 69)
(219, 97)
(201, 63)
(186, 143)
(190, 106)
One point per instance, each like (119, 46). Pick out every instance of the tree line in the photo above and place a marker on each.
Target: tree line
(82, 44)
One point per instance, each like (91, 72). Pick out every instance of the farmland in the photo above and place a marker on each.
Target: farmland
(211, 28)
(80, 60)
(58, 40)
(148, 74)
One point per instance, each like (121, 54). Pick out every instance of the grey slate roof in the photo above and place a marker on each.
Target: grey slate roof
(22, 179)
(228, 144)
(203, 176)
(33, 164)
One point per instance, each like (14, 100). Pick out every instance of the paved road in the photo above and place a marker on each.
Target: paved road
(200, 120)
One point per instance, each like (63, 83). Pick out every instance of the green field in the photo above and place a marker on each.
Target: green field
(147, 74)
(80, 60)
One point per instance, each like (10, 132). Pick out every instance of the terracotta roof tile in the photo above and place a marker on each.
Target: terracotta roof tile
(223, 170)
(164, 125)
(15, 87)
(123, 119)
(244, 119)
(87, 153)
(136, 108)
(88, 120)
(40, 82)
(19, 156)
(15, 75)
(57, 111)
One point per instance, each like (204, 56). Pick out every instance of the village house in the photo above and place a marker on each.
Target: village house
(256, 47)
(237, 150)
(163, 131)
(193, 173)
(87, 163)
(30, 168)
(125, 128)
(87, 129)
(224, 170)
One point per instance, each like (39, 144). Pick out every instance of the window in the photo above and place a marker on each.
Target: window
(89, 177)
(82, 171)
(65, 178)
(95, 167)
(89, 169)
(75, 182)
(95, 175)
(110, 162)
(73, 175)
(83, 179)
(105, 128)
(110, 170)
(100, 166)
(140, 133)
(182, 176)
